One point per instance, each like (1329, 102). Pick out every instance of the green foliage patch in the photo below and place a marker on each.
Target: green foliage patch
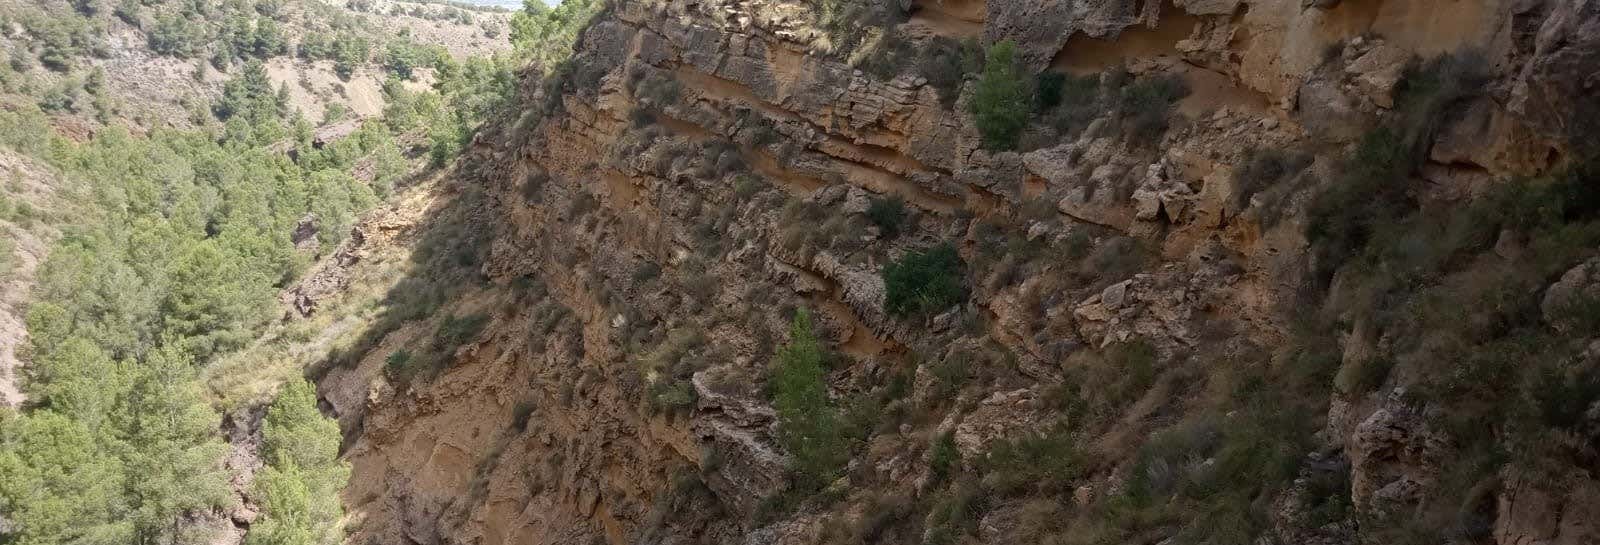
(299, 487)
(1001, 101)
(924, 281)
(809, 425)
(888, 213)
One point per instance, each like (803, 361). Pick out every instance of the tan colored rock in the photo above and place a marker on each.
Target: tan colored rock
(1394, 455)
(1532, 513)
(1577, 288)
(1378, 71)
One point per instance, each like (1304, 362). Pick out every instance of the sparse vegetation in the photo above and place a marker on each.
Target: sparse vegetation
(669, 367)
(946, 62)
(1048, 462)
(855, 29)
(943, 458)
(1169, 426)
(656, 90)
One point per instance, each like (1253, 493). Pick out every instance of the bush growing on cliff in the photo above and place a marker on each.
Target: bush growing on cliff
(397, 361)
(849, 25)
(455, 331)
(924, 281)
(1048, 90)
(1046, 462)
(885, 54)
(658, 90)
(887, 213)
(809, 425)
(1145, 105)
(452, 332)
(1001, 101)
(946, 62)
(1263, 169)
(943, 457)
(1370, 191)
(532, 184)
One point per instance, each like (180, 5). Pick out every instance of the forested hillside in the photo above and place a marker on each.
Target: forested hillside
(144, 250)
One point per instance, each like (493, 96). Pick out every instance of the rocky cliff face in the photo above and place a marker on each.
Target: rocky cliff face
(651, 221)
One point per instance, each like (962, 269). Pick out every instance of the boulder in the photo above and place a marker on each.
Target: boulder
(1378, 71)
(1577, 289)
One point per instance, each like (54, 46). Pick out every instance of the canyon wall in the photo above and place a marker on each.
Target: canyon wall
(652, 220)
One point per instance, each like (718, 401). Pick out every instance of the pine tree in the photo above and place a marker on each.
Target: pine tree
(1000, 100)
(58, 484)
(808, 424)
(172, 447)
(299, 488)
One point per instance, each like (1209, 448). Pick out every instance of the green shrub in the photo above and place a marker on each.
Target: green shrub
(1363, 376)
(403, 58)
(521, 414)
(1429, 90)
(455, 331)
(1146, 104)
(532, 184)
(298, 487)
(676, 395)
(887, 213)
(890, 55)
(950, 373)
(1262, 169)
(849, 23)
(924, 281)
(956, 513)
(658, 90)
(646, 271)
(1113, 260)
(721, 158)
(1048, 88)
(174, 35)
(349, 52)
(886, 512)
(1563, 395)
(943, 458)
(748, 185)
(1080, 103)
(7, 251)
(398, 361)
(1046, 462)
(1370, 191)
(677, 357)
(1000, 102)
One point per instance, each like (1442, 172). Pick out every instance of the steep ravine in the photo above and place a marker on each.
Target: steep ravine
(704, 172)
